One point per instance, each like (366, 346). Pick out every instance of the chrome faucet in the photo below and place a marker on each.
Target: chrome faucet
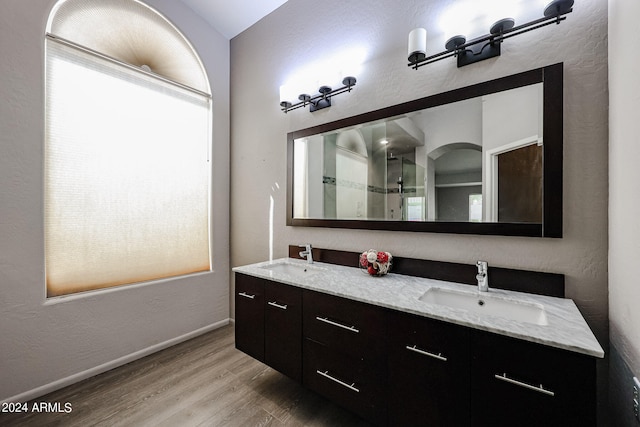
(307, 253)
(483, 276)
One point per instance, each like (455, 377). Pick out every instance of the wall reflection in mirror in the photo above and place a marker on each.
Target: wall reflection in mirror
(475, 160)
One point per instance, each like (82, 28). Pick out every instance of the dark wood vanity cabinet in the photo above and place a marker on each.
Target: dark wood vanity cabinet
(428, 372)
(249, 299)
(442, 374)
(515, 382)
(283, 329)
(269, 323)
(344, 357)
(399, 369)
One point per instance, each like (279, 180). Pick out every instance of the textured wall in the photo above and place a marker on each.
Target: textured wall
(303, 32)
(43, 345)
(624, 207)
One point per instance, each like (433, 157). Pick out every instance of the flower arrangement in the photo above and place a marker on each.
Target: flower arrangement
(375, 263)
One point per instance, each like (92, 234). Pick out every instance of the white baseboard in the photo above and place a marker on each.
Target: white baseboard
(63, 382)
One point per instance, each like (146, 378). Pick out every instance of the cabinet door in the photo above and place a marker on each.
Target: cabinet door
(428, 372)
(345, 325)
(283, 329)
(344, 356)
(345, 379)
(516, 382)
(249, 325)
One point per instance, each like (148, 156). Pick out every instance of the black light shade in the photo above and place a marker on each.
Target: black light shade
(502, 25)
(454, 42)
(349, 81)
(557, 8)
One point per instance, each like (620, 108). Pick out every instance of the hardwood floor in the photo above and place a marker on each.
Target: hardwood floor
(201, 382)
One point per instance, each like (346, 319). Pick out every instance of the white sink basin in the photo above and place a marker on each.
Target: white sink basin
(487, 304)
(298, 270)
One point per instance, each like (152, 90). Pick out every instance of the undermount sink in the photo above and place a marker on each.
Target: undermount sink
(486, 304)
(298, 270)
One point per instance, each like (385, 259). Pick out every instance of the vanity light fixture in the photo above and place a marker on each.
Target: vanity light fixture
(323, 100)
(484, 47)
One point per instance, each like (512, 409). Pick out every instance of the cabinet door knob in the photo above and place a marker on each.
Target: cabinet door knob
(276, 305)
(246, 295)
(539, 389)
(438, 356)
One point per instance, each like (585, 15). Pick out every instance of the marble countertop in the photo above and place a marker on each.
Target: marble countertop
(565, 328)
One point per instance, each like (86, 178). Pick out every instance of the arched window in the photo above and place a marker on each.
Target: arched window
(127, 146)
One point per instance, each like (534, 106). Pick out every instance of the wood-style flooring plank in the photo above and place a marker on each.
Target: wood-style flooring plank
(202, 382)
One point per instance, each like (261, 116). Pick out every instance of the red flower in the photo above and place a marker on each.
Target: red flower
(371, 270)
(383, 257)
(363, 260)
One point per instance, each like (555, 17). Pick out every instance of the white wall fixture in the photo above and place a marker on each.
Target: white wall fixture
(486, 46)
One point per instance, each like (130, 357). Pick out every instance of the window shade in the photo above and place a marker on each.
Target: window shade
(126, 175)
(131, 32)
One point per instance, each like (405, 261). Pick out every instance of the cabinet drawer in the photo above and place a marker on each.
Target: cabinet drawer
(428, 372)
(283, 329)
(249, 325)
(348, 326)
(530, 384)
(430, 339)
(346, 380)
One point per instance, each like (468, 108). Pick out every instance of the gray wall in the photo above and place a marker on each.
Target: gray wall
(453, 202)
(304, 32)
(624, 207)
(45, 345)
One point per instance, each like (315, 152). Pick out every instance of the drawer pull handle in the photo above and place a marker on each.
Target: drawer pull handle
(339, 325)
(246, 295)
(276, 305)
(539, 389)
(438, 356)
(342, 383)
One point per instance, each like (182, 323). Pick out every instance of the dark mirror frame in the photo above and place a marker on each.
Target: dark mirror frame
(551, 76)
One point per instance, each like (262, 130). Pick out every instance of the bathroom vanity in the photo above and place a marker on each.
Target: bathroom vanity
(378, 347)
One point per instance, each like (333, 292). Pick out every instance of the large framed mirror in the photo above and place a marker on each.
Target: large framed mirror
(483, 159)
